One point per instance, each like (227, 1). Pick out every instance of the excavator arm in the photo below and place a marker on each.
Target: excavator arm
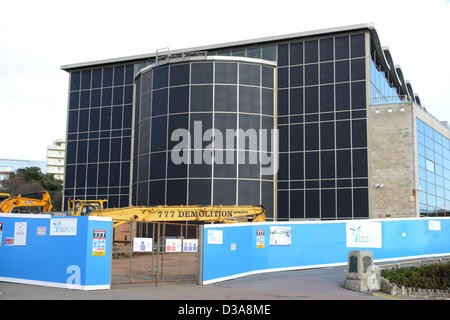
(7, 205)
(225, 214)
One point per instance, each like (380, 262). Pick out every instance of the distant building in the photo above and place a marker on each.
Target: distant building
(8, 166)
(55, 158)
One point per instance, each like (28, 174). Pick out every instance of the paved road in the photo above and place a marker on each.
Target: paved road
(324, 283)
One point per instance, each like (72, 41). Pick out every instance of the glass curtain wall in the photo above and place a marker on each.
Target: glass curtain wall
(434, 171)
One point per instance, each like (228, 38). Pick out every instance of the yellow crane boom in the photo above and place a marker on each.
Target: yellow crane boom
(226, 214)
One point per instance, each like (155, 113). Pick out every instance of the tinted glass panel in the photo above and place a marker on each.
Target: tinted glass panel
(342, 134)
(311, 74)
(179, 74)
(159, 105)
(312, 205)
(201, 73)
(344, 203)
(107, 77)
(360, 163)
(326, 98)
(118, 75)
(311, 136)
(358, 69)
(341, 48)
(160, 77)
(327, 135)
(179, 99)
(283, 55)
(75, 80)
(296, 76)
(176, 192)
(360, 202)
(311, 100)
(358, 45)
(269, 53)
(311, 51)
(86, 79)
(358, 95)
(296, 53)
(311, 165)
(226, 72)
(248, 192)
(199, 192)
(249, 100)
(343, 163)
(326, 49)
(326, 72)
(224, 192)
(342, 96)
(297, 204)
(359, 133)
(201, 98)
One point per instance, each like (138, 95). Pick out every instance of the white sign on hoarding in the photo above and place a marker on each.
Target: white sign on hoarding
(363, 234)
(434, 225)
(142, 244)
(280, 236)
(63, 227)
(215, 237)
(173, 245)
(20, 233)
(190, 245)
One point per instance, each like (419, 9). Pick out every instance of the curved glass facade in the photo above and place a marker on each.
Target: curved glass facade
(196, 122)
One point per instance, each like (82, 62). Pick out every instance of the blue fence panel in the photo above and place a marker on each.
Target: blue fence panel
(62, 260)
(314, 244)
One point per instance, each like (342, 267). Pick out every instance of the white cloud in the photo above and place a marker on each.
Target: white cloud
(37, 37)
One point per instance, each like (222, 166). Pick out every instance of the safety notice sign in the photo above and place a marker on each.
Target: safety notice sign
(260, 238)
(99, 243)
(20, 233)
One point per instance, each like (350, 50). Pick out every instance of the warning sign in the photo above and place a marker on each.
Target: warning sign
(99, 243)
(260, 238)
(173, 245)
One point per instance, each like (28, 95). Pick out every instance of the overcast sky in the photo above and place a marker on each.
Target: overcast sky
(37, 37)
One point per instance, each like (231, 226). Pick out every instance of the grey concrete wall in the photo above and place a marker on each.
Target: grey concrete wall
(392, 161)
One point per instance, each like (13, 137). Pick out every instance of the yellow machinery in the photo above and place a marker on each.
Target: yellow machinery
(7, 205)
(4, 196)
(84, 207)
(227, 214)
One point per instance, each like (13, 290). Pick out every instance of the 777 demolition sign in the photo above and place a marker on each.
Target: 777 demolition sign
(99, 243)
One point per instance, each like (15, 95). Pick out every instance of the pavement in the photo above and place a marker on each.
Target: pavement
(307, 284)
(311, 284)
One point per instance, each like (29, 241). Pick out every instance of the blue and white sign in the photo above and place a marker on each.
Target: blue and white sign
(363, 234)
(142, 244)
(63, 227)
(190, 245)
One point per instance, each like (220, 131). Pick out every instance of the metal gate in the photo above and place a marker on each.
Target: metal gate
(154, 252)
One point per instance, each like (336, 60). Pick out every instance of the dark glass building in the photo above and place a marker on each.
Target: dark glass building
(187, 97)
(315, 87)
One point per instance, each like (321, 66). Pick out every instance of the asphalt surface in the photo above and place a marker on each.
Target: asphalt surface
(307, 284)
(311, 284)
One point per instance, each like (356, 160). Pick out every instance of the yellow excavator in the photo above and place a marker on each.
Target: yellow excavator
(225, 214)
(8, 204)
(4, 196)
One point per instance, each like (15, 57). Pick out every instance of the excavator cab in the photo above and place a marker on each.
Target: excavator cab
(4, 196)
(84, 207)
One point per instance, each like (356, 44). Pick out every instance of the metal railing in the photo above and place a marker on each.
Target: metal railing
(390, 100)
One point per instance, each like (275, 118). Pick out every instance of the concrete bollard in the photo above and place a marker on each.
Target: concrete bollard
(361, 272)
